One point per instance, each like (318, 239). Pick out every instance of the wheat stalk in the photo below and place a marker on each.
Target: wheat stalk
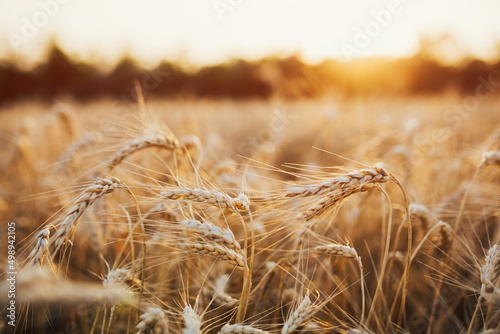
(156, 139)
(347, 252)
(153, 320)
(240, 329)
(296, 318)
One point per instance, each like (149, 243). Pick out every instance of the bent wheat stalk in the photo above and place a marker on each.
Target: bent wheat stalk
(157, 139)
(353, 180)
(335, 190)
(100, 188)
(347, 252)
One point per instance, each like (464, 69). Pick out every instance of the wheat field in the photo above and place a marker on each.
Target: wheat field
(341, 215)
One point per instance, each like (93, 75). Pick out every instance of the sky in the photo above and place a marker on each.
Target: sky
(204, 32)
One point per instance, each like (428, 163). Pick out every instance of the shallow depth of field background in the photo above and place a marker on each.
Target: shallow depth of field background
(270, 96)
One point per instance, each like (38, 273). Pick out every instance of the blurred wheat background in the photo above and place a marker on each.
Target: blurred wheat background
(278, 192)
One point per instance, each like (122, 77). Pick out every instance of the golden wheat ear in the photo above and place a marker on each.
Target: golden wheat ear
(241, 329)
(192, 321)
(297, 317)
(152, 320)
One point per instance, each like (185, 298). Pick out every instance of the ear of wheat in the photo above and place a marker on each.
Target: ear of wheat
(296, 318)
(153, 320)
(230, 256)
(240, 329)
(490, 270)
(445, 237)
(336, 249)
(491, 158)
(70, 153)
(212, 233)
(156, 139)
(41, 248)
(192, 321)
(357, 331)
(347, 252)
(353, 180)
(100, 188)
(212, 197)
(421, 213)
(219, 293)
(119, 279)
(331, 199)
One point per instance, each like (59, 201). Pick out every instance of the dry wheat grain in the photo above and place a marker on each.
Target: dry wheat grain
(491, 158)
(192, 321)
(155, 139)
(220, 296)
(490, 270)
(100, 188)
(421, 213)
(336, 249)
(213, 233)
(41, 248)
(353, 180)
(445, 243)
(212, 197)
(331, 199)
(153, 321)
(296, 318)
(230, 256)
(241, 329)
